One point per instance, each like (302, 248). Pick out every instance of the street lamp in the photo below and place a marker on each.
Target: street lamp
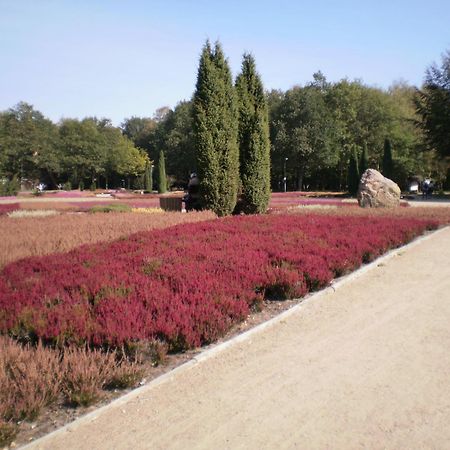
(284, 174)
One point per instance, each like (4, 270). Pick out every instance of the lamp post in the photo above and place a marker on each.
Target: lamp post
(284, 174)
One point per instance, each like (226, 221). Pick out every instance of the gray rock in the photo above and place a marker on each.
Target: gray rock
(377, 191)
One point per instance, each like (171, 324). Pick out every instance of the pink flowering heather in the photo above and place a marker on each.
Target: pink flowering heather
(8, 207)
(187, 284)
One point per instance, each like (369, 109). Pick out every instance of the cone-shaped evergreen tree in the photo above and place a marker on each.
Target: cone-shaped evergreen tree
(254, 145)
(215, 129)
(162, 179)
(388, 163)
(364, 161)
(353, 174)
(148, 177)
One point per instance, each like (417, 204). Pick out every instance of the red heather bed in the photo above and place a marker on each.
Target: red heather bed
(188, 284)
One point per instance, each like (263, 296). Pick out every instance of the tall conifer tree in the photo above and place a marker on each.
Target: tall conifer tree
(353, 174)
(148, 177)
(162, 178)
(388, 163)
(215, 129)
(364, 161)
(254, 145)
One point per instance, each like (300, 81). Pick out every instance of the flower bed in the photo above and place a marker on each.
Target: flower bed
(8, 207)
(37, 236)
(68, 194)
(188, 284)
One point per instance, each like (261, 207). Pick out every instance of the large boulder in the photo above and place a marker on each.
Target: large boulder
(377, 191)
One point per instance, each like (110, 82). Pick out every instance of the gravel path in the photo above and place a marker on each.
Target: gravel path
(365, 366)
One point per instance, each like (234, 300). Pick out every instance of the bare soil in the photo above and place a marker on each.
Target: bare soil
(363, 366)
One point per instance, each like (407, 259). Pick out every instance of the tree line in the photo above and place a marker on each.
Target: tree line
(317, 135)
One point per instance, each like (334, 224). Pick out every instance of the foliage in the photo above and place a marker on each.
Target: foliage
(186, 285)
(215, 131)
(304, 132)
(110, 208)
(176, 137)
(140, 130)
(28, 143)
(162, 178)
(388, 163)
(9, 187)
(363, 161)
(84, 154)
(353, 174)
(433, 104)
(254, 145)
(317, 126)
(148, 177)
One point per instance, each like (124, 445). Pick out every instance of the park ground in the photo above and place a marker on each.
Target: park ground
(362, 365)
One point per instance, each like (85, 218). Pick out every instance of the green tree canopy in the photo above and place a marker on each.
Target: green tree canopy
(433, 104)
(84, 150)
(304, 132)
(140, 130)
(28, 144)
(177, 140)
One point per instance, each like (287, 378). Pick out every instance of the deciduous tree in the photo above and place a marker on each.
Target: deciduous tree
(433, 104)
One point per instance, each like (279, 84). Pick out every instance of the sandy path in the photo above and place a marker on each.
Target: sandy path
(367, 366)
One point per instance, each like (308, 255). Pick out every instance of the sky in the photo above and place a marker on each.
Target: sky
(118, 59)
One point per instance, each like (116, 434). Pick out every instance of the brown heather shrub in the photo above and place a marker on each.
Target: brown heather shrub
(59, 206)
(85, 374)
(30, 379)
(40, 236)
(441, 214)
(153, 350)
(34, 377)
(125, 374)
(8, 431)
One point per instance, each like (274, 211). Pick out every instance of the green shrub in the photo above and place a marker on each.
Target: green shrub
(110, 208)
(9, 187)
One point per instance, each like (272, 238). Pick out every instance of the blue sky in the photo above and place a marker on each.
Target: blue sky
(117, 59)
